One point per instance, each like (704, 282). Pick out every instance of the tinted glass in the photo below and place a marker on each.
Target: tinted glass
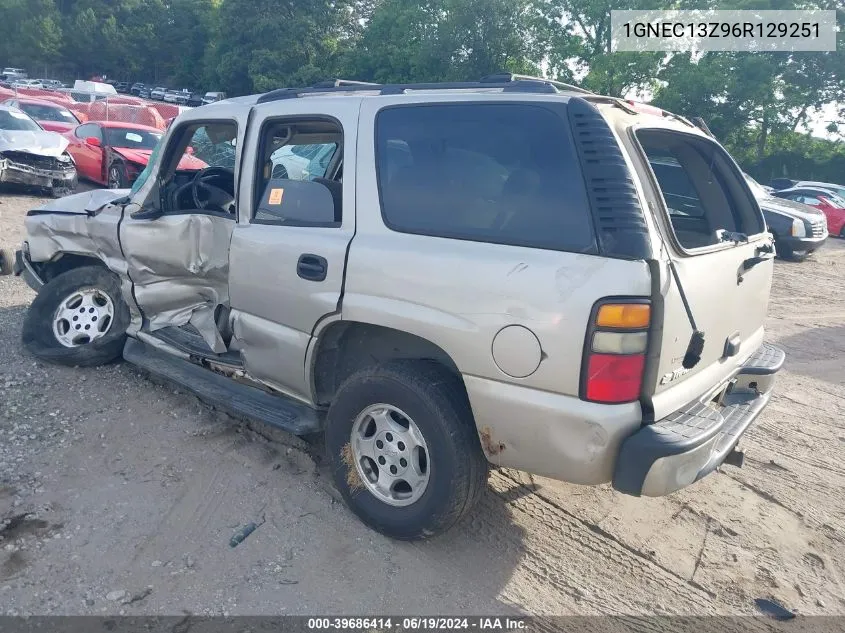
(681, 197)
(502, 173)
(17, 121)
(131, 138)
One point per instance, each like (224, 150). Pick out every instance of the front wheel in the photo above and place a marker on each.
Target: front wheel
(404, 450)
(79, 319)
(118, 179)
(62, 188)
(5, 262)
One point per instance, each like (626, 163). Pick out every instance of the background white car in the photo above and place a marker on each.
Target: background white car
(302, 162)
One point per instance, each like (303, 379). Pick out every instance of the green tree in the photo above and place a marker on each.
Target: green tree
(32, 32)
(275, 43)
(578, 33)
(435, 40)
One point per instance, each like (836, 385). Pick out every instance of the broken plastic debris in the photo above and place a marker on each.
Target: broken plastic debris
(773, 609)
(239, 536)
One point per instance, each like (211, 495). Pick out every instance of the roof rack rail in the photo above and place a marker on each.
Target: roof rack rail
(337, 83)
(342, 86)
(505, 77)
(395, 89)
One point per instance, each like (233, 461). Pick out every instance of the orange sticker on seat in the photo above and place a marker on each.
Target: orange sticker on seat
(276, 196)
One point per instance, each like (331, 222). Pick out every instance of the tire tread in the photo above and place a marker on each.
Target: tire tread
(444, 393)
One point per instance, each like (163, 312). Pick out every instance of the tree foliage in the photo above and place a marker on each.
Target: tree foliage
(758, 104)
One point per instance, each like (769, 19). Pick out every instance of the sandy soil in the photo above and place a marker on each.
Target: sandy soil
(123, 494)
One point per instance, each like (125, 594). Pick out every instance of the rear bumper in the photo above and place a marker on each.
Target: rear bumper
(691, 443)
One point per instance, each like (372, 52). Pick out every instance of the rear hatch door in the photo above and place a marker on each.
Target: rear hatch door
(714, 232)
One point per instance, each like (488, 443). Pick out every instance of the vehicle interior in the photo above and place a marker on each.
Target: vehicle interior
(301, 162)
(210, 190)
(703, 195)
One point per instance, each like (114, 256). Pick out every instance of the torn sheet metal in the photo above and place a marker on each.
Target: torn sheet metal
(53, 233)
(32, 170)
(82, 224)
(86, 203)
(179, 265)
(40, 142)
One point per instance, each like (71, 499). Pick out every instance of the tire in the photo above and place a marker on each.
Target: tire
(40, 330)
(842, 233)
(795, 256)
(5, 262)
(436, 403)
(117, 177)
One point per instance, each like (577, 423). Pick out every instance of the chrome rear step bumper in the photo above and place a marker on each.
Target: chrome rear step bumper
(692, 442)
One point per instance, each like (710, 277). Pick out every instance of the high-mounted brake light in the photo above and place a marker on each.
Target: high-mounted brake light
(645, 108)
(615, 351)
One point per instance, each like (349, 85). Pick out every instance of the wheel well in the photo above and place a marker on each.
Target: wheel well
(65, 262)
(348, 347)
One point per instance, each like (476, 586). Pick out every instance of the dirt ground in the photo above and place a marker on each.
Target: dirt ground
(121, 495)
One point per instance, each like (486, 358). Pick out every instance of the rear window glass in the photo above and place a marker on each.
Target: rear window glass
(704, 193)
(501, 173)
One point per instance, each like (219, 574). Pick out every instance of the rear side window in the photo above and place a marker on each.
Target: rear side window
(500, 173)
(703, 191)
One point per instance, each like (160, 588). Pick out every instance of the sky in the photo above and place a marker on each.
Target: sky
(823, 118)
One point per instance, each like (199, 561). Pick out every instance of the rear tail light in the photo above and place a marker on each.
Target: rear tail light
(615, 351)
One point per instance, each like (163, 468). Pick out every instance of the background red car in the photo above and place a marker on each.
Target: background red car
(831, 204)
(113, 153)
(49, 115)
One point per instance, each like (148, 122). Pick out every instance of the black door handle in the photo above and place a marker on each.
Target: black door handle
(312, 267)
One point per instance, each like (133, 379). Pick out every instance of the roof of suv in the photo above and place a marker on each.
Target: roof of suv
(502, 85)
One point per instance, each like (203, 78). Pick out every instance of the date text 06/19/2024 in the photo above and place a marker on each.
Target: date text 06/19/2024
(422, 623)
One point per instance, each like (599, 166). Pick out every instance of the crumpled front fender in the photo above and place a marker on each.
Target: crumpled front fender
(82, 224)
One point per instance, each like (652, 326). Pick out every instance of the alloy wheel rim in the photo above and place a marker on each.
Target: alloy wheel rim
(83, 317)
(390, 454)
(114, 178)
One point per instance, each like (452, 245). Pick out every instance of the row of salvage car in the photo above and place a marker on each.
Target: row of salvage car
(45, 146)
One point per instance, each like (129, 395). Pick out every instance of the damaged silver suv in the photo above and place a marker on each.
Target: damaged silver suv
(448, 276)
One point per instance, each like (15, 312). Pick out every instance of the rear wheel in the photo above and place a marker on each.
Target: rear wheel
(79, 318)
(404, 449)
(842, 233)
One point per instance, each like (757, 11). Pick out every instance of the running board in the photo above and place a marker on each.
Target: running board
(224, 393)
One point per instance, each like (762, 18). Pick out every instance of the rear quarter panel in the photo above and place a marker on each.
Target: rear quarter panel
(460, 294)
